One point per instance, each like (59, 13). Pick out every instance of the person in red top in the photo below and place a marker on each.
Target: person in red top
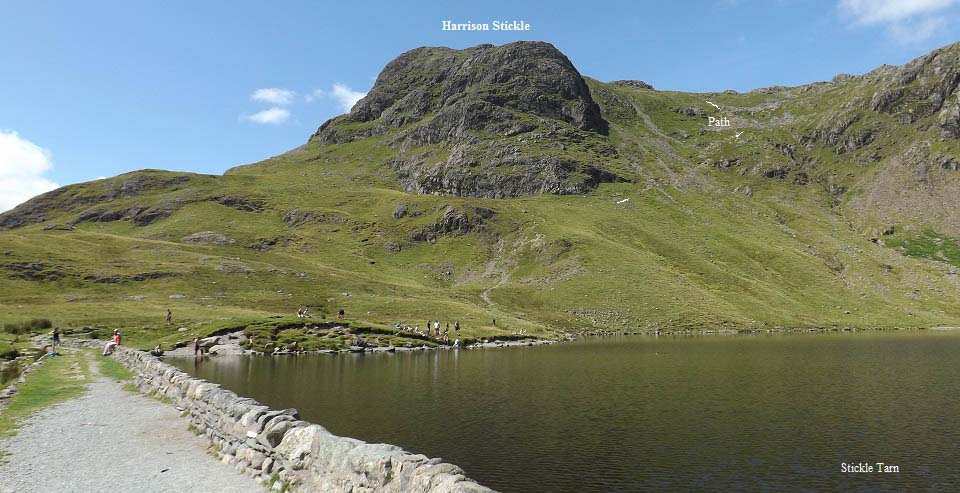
(113, 344)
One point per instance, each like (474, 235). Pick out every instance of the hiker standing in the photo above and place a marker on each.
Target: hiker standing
(456, 327)
(436, 328)
(196, 348)
(169, 317)
(340, 314)
(56, 340)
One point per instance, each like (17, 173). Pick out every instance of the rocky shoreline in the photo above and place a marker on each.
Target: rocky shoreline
(231, 344)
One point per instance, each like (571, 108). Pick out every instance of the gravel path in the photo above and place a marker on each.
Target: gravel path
(112, 440)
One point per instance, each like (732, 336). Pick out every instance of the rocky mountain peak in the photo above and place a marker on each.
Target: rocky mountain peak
(928, 85)
(526, 76)
(498, 114)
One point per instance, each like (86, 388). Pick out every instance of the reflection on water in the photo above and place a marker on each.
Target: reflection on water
(643, 413)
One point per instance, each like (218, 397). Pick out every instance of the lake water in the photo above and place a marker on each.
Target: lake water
(777, 412)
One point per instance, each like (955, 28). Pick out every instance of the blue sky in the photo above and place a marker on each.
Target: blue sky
(98, 88)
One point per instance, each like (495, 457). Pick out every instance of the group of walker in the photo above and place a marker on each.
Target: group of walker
(432, 329)
(302, 313)
(108, 349)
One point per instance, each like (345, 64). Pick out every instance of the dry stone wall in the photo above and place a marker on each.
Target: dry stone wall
(279, 449)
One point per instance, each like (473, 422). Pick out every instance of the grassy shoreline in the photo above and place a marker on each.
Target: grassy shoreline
(55, 380)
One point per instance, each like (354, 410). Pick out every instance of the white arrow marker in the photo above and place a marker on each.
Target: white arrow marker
(714, 105)
(623, 201)
(738, 135)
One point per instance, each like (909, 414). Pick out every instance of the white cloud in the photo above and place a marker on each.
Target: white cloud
(907, 21)
(22, 166)
(346, 96)
(341, 93)
(917, 31)
(273, 95)
(314, 95)
(272, 116)
(888, 11)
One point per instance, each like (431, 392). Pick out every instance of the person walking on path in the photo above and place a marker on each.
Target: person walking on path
(169, 317)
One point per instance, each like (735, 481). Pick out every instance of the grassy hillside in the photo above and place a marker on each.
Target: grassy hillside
(823, 212)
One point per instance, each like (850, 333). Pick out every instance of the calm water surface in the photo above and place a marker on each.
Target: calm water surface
(643, 413)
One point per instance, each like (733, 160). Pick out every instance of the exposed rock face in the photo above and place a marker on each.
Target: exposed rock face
(208, 238)
(33, 271)
(392, 247)
(91, 200)
(926, 86)
(636, 84)
(297, 217)
(949, 119)
(498, 110)
(245, 204)
(527, 77)
(512, 176)
(453, 221)
(692, 111)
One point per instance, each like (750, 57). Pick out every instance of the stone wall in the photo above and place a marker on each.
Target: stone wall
(276, 448)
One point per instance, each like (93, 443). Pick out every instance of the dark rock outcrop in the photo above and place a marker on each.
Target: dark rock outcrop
(392, 247)
(33, 271)
(499, 111)
(691, 111)
(72, 199)
(245, 204)
(636, 84)
(453, 221)
(297, 217)
(208, 238)
(928, 85)
(526, 77)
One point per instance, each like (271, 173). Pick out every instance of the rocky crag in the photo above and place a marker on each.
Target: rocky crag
(490, 117)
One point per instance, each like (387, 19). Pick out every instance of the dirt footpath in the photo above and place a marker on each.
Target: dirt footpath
(110, 439)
